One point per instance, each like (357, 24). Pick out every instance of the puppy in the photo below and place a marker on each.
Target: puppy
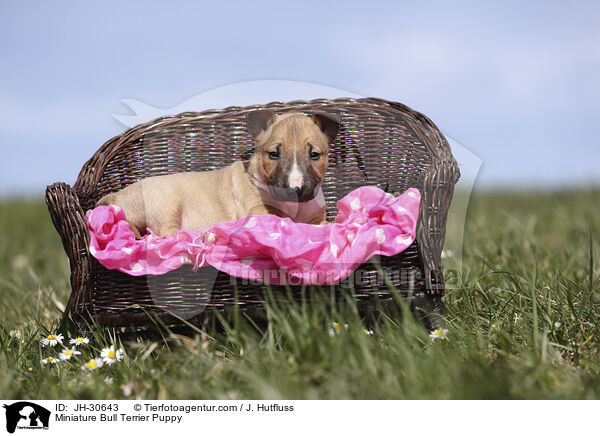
(283, 177)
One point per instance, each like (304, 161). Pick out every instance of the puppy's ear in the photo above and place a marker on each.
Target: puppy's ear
(328, 123)
(259, 121)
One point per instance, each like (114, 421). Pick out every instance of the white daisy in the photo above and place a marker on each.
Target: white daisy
(110, 356)
(67, 353)
(20, 261)
(79, 340)
(337, 328)
(52, 340)
(557, 324)
(16, 334)
(128, 389)
(92, 364)
(50, 359)
(438, 334)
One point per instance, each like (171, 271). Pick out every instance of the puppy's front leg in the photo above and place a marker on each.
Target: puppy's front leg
(168, 230)
(264, 209)
(169, 221)
(319, 218)
(132, 211)
(135, 231)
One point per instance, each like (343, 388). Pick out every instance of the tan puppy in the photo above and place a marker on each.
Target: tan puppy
(283, 177)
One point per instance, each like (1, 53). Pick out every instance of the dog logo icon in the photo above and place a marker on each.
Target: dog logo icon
(26, 415)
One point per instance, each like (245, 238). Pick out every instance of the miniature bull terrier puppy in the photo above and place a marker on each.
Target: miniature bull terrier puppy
(283, 177)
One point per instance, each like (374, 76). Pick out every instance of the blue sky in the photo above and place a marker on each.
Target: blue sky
(517, 83)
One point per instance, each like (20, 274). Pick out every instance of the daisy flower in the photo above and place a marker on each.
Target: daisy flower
(438, 334)
(15, 334)
(67, 353)
(368, 332)
(110, 356)
(128, 389)
(92, 364)
(49, 359)
(79, 340)
(52, 340)
(337, 328)
(557, 324)
(20, 261)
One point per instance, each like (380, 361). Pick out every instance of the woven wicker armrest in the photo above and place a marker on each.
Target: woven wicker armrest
(431, 233)
(69, 219)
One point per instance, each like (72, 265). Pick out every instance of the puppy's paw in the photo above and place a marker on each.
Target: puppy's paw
(135, 231)
(168, 230)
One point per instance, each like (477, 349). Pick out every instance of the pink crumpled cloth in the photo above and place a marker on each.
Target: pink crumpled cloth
(266, 247)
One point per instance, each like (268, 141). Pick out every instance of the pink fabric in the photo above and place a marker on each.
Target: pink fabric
(266, 247)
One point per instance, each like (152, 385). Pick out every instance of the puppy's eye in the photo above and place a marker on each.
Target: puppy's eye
(314, 155)
(273, 154)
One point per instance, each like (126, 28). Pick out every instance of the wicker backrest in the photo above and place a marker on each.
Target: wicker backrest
(377, 145)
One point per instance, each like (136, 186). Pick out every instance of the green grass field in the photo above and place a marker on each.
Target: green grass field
(522, 317)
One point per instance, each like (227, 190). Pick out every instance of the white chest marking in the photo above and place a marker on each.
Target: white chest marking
(295, 177)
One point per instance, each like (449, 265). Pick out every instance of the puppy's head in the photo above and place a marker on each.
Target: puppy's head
(291, 153)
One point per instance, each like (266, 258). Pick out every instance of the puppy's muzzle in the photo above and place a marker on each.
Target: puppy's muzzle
(296, 195)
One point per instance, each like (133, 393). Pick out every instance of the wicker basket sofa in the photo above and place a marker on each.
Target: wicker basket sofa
(380, 143)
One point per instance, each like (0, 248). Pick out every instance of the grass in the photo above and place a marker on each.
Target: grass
(523, 319)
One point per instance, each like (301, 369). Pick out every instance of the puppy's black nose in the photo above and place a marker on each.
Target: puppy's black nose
(300, 194)
(293, 193)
